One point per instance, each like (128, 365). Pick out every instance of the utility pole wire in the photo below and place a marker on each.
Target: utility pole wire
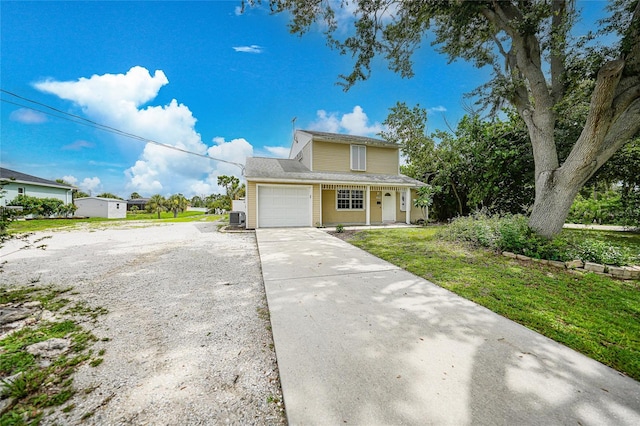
(86, 122)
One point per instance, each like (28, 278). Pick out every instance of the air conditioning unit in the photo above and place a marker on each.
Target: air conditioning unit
(236, 218)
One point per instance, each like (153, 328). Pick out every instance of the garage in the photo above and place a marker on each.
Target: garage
(284, 206)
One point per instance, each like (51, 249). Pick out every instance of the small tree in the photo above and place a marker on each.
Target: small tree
(425, 199)
(157, 204)
(177, 203)
(37, 206)
(5, 218)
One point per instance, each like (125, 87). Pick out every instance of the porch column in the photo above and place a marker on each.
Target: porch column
(367, 206)
(407, 205)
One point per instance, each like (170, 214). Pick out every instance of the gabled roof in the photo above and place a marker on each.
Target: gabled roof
(7, 175)
(349, 139)
(291, 170)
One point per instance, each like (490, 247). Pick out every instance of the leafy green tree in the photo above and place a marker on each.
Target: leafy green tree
(108, 195)
(5, 217)
(177, 203)
(37, 206)
(233, 190)
(217, 202)
(197, 201)
(157, 204)
(80, 194)
(425, 199)
(528, 46)
(482, 165)
(134, 196)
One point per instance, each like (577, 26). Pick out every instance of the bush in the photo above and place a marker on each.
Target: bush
(511, 233)
(44, 207)
(592, 250)
(339, 229)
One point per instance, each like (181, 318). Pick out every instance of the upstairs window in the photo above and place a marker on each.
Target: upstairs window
(358, 157)
(350, 199)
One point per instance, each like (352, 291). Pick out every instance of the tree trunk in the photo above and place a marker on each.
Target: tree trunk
(554, 197)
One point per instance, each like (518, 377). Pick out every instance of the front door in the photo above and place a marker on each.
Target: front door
(388, 206)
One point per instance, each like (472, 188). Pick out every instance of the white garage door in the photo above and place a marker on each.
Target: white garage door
(280, 206)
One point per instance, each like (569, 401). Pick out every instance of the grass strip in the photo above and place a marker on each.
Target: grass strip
(34, 225)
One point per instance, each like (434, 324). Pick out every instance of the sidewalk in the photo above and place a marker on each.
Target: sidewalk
(360, 341)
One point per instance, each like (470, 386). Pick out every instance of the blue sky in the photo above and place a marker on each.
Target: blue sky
(197, 75)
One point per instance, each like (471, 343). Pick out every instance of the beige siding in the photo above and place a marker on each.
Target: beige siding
(331, 157)
(306, 156)
(251, 205)
(336, 157)
(331, 216)
(382, 161)
(251, 197)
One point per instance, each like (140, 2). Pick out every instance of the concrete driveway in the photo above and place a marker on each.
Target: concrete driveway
(360, 341)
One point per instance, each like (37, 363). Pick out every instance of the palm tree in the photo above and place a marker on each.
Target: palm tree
(157, 203)
(177, 203)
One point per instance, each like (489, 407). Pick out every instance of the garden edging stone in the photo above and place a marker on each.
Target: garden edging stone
(620, 272)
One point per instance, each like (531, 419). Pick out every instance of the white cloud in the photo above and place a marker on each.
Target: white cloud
(326, 122)
(27, 116)
(117, 99)
(70, 179)
(91, 185)
(254, 48)
(438, 108)
(278, 151)
(352, 123)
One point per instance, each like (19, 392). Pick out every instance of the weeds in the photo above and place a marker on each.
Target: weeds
(32, 383)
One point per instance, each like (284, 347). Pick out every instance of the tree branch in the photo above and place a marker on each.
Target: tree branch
(558, 49)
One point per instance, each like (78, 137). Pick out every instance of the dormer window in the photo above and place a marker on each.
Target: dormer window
(358, 157)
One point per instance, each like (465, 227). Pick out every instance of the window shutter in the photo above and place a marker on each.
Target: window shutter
(358, 157)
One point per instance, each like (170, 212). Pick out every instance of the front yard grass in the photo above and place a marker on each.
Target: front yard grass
(595, 315)
(33, 225)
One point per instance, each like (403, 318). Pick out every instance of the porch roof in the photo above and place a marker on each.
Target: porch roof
(292, 171)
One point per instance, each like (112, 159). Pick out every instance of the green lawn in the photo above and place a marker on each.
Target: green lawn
(592, 314)
(25, 226)
(630, 240)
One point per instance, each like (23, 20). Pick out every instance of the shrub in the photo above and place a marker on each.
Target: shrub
(511, 233)
(592, 250)
(340, 228)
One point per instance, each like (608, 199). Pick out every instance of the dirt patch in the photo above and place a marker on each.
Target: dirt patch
(187, 337)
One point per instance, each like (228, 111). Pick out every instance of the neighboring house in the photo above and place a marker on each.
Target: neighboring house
(140, 203)
(110, 208)
(330, 179)
(17, 183)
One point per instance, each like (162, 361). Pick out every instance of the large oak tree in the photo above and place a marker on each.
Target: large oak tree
(528, 44)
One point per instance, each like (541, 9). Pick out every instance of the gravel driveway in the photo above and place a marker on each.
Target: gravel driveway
(189, 339)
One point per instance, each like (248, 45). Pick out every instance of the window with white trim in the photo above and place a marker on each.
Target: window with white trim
(350, 199)
(358, 157)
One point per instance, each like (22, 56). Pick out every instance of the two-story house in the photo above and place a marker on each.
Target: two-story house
(330, 179)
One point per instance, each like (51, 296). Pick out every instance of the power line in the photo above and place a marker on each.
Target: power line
(90, 123)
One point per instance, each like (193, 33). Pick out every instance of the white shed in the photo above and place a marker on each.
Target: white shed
(101, 207)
